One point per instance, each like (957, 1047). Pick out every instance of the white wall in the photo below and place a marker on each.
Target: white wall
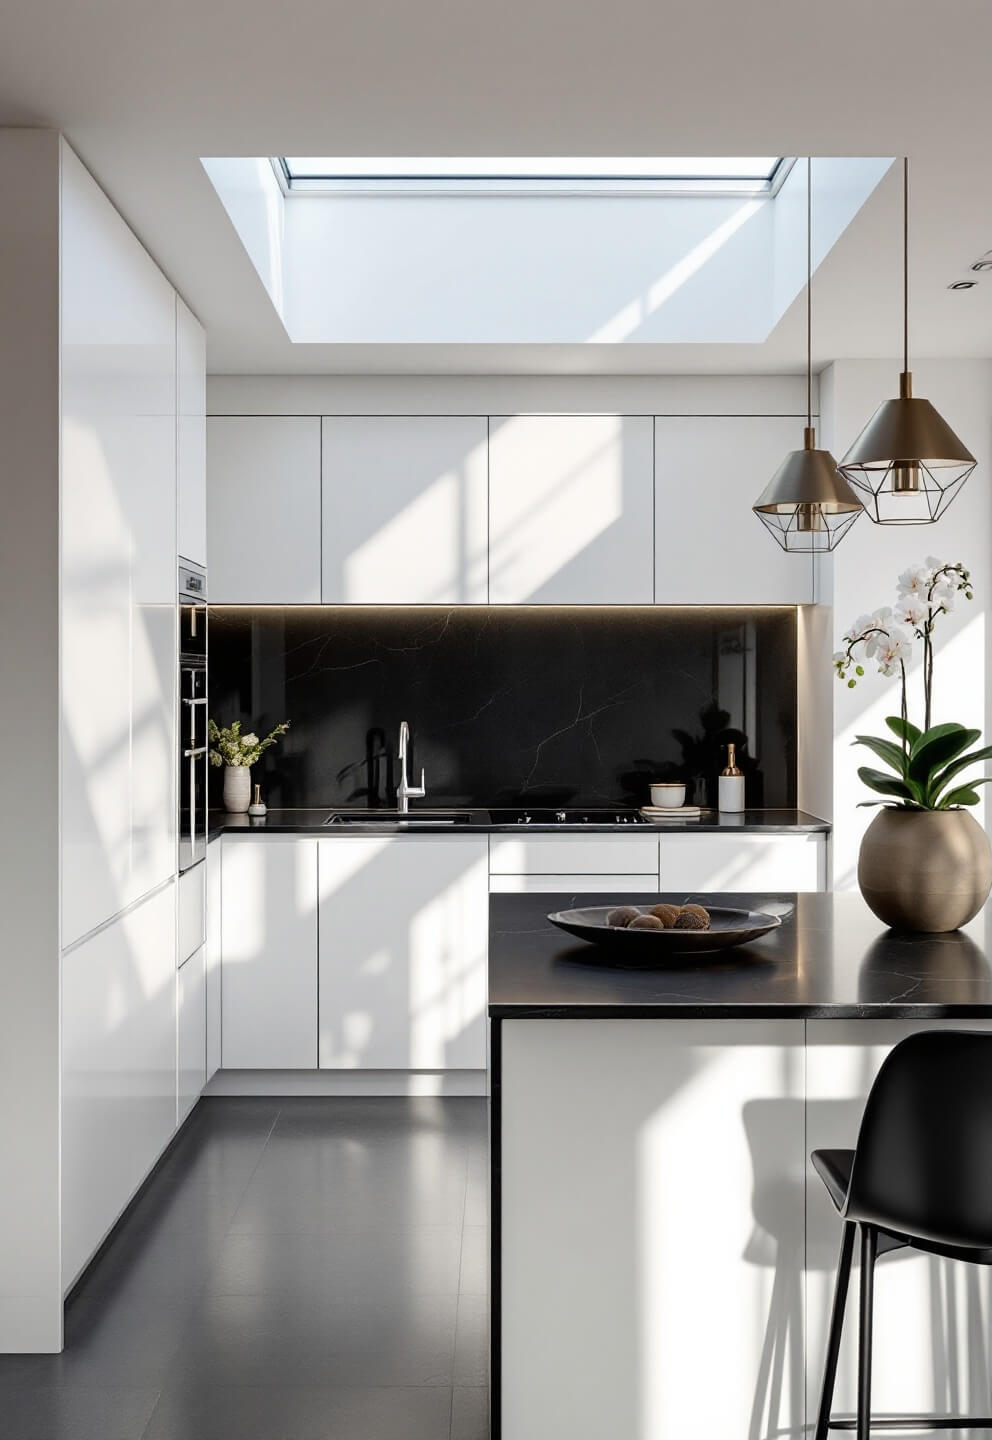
(30, 1267)
(866, 565)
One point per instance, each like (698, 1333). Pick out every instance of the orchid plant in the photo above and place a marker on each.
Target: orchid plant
(925, 761)
(233, 748)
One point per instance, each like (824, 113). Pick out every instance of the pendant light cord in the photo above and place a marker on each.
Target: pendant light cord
(809, 291)
(905, 262)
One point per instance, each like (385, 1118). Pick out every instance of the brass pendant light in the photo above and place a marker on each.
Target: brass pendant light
(807, 505)
(907, 464)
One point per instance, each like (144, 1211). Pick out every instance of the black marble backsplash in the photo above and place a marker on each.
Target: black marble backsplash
(509, 705)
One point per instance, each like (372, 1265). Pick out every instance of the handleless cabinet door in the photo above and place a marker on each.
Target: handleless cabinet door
(118, 562)
(269, 966)
(404, 509)
(404, 936)
(263, 509)
(192, 1003)
(118, 1069)
(743, 862)
(191, 434)
(212, 865)
(711, 549)
(570, 510)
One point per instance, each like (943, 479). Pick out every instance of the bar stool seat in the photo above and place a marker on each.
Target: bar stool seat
(920, 1178)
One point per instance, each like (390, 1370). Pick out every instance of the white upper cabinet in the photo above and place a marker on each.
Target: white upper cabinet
(710, 548)
(263, 509)
(404, 509)
(118, 562)
(570, 510)
(191, 434)
(404, 935)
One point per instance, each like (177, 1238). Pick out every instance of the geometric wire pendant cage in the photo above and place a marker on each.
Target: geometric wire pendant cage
(907, 464)
(808, 506)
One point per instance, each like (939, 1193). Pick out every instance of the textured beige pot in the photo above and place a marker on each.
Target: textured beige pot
(925, 870)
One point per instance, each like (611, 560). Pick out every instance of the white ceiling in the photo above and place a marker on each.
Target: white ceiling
(143, 89)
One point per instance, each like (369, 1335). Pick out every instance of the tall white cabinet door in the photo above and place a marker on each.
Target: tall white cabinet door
(404, 937)
(652, 1185)
(192, 1020)
(404, 509)
(263, 509)
(118, 562)
(191, 434)
(118, 1069)
(710, 548)
(570, 510)
(269, 967)
(213, 958)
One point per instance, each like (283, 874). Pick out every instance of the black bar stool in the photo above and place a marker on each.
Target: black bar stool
(921, 1176)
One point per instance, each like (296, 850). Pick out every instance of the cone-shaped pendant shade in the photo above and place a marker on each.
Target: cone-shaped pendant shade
(907, 464)
(807, 505)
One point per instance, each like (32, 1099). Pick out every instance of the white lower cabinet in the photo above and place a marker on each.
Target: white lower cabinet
(404, 930)
(572, 884)
(269, 973)
(118, 1069)
(743, 862)
(192, 1051)
(212, 865)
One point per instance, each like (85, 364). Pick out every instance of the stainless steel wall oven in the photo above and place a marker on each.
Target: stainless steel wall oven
(192, 716)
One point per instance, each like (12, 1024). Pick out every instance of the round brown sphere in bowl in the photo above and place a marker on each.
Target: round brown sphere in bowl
(700, 912)
(646, 922)
(622, 916)
(667, 914)
(688, 920)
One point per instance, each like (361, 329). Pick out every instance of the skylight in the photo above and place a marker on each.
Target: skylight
(720, 175)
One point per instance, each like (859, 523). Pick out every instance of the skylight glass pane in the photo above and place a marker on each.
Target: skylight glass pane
(756, 168)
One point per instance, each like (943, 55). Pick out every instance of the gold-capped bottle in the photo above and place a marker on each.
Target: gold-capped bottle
(731, 783)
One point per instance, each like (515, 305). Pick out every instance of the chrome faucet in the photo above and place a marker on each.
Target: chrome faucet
(405, 792)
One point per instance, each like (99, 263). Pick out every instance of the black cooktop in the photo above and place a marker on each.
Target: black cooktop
(565, 818)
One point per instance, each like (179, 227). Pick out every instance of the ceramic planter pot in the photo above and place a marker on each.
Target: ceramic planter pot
(925, 870)
(237, 789)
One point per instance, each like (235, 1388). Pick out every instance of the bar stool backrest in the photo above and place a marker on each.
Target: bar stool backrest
(923, 1165)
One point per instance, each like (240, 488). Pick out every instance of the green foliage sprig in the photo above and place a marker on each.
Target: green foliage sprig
(233, 748)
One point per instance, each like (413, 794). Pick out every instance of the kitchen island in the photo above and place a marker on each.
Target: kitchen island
(663, 1255)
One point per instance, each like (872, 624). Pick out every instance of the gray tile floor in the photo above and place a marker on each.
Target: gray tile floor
(301, 1269)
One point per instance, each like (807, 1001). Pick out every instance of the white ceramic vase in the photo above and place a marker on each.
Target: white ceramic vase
(237, 789)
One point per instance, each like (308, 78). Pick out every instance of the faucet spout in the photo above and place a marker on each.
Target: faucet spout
(405, 792)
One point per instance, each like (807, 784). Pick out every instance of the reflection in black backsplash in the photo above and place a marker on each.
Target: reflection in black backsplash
(578, 705)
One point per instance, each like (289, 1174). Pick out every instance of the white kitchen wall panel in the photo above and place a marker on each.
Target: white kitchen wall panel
(263, 509)
(404, 509)
(743, 862)
(570, 510)
(404, 936)
(269, 965)
(118, 1069)
(710, 548)
(191, 434)
(192, 1040)
(615, 854)
(214, 910)
(118, 562)
(192, 912)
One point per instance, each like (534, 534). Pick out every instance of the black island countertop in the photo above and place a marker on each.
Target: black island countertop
(313, 821)
(830, 958)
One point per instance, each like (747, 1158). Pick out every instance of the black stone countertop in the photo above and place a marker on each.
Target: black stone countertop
(830, 958)
(713, 822)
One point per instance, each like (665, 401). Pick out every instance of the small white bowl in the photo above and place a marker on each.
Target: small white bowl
(668, 796)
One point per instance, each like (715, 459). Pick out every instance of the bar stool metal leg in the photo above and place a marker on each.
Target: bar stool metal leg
(836, 1329)
(869, 1249)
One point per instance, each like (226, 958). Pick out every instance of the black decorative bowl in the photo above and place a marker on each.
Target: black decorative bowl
(728, 928)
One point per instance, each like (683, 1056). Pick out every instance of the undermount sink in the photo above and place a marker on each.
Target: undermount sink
(394, 817)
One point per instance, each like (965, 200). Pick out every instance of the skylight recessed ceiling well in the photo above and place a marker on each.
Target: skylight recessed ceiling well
(693, 175)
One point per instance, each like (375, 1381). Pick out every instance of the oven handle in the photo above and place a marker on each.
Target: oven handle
(192, 754)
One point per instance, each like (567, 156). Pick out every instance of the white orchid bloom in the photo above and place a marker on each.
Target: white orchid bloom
(894, 650)
(915, 581)
(912, 612)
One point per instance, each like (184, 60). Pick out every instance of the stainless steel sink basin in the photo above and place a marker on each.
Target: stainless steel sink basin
(389, 819)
